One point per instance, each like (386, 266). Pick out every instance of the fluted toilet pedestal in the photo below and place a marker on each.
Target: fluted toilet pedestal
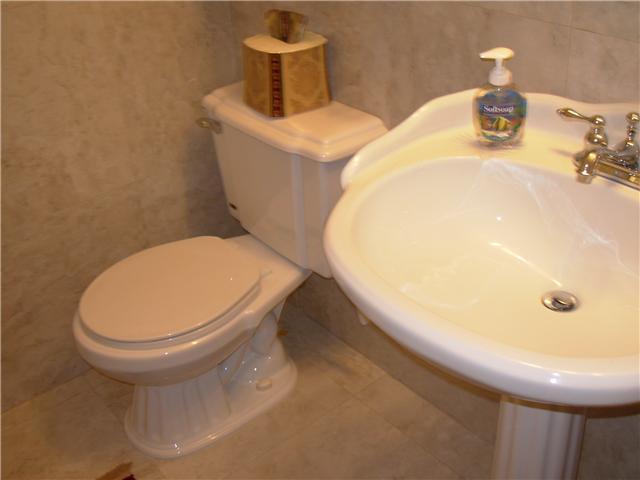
(171, 420)
(534, 442)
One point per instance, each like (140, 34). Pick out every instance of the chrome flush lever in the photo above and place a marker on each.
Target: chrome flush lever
(209, 123)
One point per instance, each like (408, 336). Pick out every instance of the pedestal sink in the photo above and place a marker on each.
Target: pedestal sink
(500, 267)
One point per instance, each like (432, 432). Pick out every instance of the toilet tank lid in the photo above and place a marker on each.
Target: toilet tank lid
(325, 134)
(168, 290)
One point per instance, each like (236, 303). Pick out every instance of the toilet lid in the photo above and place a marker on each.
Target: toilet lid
(168, 290)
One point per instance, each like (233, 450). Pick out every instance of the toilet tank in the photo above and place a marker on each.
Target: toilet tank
(281, 176)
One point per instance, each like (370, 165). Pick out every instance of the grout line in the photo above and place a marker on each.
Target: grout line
(478, 4)
(379, 372)
(385, 372)
(109, 407)
(362, 406)
(291, 436)
(409, 438)
(46, 392)
(600, 34)
(481, 440)
(446, 464)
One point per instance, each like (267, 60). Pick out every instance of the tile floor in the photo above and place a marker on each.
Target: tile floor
(346, 419)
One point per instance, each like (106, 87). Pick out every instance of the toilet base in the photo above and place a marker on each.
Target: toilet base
(173, 420)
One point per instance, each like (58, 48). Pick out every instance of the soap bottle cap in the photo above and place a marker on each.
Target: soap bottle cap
(499, 74)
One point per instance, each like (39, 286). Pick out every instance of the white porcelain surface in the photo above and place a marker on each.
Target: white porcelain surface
(186, 356)
(325, 134)
(281, 175)
(173, 420)
(448, 247)
(155, 287)
(195, 387)
(535, 443)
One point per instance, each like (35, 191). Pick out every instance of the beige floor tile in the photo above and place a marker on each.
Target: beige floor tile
(320, 430)
(351, 442)
(611, 447)
(119, 407)
(306, 339)
(67, 433)
(116, 395)
(435, 431)
(473, 407)
(107, 388)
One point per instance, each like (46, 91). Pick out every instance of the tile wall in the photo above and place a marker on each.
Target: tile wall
(388, 58)
(100, 158)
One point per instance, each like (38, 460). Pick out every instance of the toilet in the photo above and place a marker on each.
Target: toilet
(193, 323)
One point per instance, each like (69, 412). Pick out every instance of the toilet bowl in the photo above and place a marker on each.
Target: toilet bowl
(193, 323)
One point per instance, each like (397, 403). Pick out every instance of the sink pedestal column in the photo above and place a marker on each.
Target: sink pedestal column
(536, 442)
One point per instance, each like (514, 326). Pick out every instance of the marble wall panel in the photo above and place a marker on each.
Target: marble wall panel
(101, 158)
(613, 19)
(553, 12)
(603, 68)
(415, 51)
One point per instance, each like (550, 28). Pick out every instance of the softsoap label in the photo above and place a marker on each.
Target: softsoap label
(497, 109)
(501, 122)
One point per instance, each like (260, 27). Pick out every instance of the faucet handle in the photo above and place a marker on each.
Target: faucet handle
(595, 136)
(629, 149)
(632, 126)
(596, 120)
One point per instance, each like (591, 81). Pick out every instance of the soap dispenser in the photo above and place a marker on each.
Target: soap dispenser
(499, 109)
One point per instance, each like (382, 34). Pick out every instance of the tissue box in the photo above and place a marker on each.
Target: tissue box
(283, 79)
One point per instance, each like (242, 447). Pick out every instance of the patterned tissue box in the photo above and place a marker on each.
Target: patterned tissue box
(283, 79)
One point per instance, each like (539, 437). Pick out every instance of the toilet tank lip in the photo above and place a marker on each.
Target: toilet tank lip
(325, 134)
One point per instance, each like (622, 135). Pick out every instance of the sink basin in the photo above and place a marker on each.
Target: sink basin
(477, 242)
(449, 248)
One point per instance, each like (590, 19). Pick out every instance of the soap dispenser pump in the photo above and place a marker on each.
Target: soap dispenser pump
(499, 109)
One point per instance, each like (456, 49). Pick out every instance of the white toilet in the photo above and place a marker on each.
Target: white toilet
(193, 323)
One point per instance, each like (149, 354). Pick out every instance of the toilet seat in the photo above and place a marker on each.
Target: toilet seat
(169, 290)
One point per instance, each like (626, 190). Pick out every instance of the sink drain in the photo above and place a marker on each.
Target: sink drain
(560, 301)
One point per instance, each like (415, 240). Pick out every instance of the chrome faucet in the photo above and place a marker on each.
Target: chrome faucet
(620, 163)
